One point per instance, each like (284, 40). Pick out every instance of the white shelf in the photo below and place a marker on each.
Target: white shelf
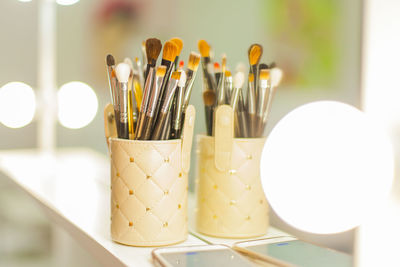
(73, 187)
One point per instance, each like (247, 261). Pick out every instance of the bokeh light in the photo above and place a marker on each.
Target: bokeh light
(326, 167)
(77, 105)
(17, 104)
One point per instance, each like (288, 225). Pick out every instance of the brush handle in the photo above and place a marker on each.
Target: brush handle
(242, 124)
(147, 129)
(124, 130)
(146, 72)
(252, 125)
(168, 65)
(254, 70)
(157, 132)
(166, 128)
(209, 119)
(140, 126)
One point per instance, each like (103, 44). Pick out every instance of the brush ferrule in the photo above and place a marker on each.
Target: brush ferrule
(191, 75)
(147, 90)
(178, 109)
(235, 98)
(166, 105)
(123, 107)
(251, 98)
(154, 97)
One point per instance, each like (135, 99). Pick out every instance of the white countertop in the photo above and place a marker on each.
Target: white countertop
(73, 187)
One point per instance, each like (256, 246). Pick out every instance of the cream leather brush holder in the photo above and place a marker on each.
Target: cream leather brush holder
(149, 185)
(230, 199)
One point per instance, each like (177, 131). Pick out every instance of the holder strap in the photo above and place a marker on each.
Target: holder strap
(110, 128)
(223, 137)
(188, 127)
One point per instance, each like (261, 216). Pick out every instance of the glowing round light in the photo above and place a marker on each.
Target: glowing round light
(77, 105)
(326, 166)
(67, 2)
(17, 104)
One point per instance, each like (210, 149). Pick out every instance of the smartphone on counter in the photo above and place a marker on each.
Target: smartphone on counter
(199, 256)
(293, 252)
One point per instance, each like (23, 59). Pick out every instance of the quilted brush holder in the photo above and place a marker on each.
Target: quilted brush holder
(230, 199)
(149, 185)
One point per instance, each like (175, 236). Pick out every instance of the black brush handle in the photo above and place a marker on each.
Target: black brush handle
(124, 130)
(209, 119)
(157, 132)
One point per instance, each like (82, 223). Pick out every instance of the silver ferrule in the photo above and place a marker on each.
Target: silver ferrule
(190, 77)
(172, 85)
(263, 97)
(269, 104)
(221, 90)
(154, 97)
(123, 103)
(251, 98)
(147, 90)
(228, 87)
(235, 98)
(178, 109)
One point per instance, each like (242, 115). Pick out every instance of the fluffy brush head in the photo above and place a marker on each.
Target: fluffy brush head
(238, 80)
(255, 53)
(272, 65)
(128, 61)
(182, 79)
(194, 60)
(276, 76)
(179, 44)
(170, 51)
(251, 77)
(209, 97)
(161, 70)
(110, 60)
(176, 75)
(228, 73)
(153, 49)
(204, 48)
(240, 67)
(123, 70)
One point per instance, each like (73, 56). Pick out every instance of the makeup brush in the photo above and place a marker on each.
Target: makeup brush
(228, 86)
(254, 53)
(179, 44)
(241, 113)
(221, 84)
(153, 49)
(112, 80)
(217, 72)
(132, 108)
(209, 100)
(177, 116)
(193, 64)
(166, 106)
(123, 70)
(137, 89)
(181, 65)
(151, 108)
(238, 81)
(251, 105)
(276, 75)
(264, 92)
(170, 51)
(143, 106)
(272, 65)
(204, 49)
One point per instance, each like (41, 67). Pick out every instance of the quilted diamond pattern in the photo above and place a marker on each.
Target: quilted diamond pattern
(148, 192)
(232, 203)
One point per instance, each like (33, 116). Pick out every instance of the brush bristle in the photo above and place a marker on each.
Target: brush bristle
(263, 66)
(179, 44)
(228, 73)
(264, 74)
(161, 70)
(110, 60)
(194, 60)
(153, 49)
(240, 67)
(123, 70)
(251, 77)
(255, 54)
(204, 48)
(182, 79)
(176, 75)
(223, 62)
(276, 76)
(209, 97)
(170, 51)
(181, 64)
(217, 67)
(128, 61)
(272, 65)
(238, 80)
(113, 74)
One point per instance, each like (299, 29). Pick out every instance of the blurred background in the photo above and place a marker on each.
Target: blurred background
(316, 43)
